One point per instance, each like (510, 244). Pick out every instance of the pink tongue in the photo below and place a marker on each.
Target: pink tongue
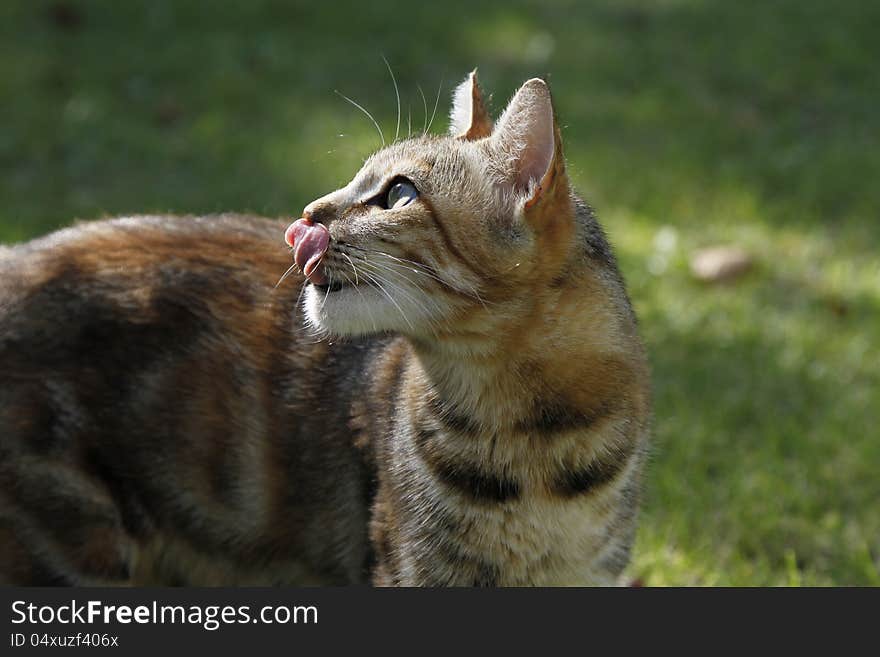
(309, 241)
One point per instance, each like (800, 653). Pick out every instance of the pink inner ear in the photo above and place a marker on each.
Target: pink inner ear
(537, 156)
(524, 137)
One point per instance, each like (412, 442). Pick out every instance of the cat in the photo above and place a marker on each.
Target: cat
(448, 388)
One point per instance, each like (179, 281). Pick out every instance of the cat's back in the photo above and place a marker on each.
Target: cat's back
(143, 252)
(155, 398)
(120, 291)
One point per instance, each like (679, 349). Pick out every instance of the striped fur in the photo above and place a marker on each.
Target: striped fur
(465, 403)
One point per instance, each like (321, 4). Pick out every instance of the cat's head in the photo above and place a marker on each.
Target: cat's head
(435, 233)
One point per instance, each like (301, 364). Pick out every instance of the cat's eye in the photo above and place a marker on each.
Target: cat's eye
(401, 193)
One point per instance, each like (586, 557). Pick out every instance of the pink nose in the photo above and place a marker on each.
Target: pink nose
(309, 241)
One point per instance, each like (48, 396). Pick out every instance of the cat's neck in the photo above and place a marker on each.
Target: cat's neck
(476, 385)
(498, 372)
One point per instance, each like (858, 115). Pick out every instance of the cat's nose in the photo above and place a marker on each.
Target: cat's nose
(319, 212)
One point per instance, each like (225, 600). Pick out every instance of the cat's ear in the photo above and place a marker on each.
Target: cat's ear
(468, 118)
(527, 145)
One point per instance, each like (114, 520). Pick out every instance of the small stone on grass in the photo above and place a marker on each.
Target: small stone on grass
(720, 264)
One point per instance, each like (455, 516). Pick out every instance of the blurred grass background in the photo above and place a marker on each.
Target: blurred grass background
(687, 123)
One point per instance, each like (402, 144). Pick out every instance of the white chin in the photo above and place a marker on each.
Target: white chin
(360, 310)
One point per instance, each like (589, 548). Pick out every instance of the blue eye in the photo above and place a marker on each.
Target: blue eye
(401, 193)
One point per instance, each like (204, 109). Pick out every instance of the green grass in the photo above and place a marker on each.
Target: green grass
(687, 123)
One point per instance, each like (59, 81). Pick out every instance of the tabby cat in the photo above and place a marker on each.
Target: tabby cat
(449, 390)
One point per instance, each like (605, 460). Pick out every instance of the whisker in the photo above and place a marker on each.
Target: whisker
(403, 269)
(285, 275)
(345, 255)
(397, 94)
(399, 276)
(370, 116)
(426, 271)
(418, 268)
(406, 265)
(436, 102)
(326, 295)
(319, 334)
(425, 104)
(390, 298)
(376, 270)
(300, 304)
(361, 294)
(430, 319)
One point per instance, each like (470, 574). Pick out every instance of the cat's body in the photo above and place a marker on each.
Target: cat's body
(159, 415)
(168, 416)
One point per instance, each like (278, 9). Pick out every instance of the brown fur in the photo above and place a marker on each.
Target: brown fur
(151, 394)
(470, 409)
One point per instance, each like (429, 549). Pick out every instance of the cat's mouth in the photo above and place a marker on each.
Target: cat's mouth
(309, 241)
(333, 286)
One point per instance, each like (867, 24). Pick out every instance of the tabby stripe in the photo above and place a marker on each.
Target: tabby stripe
(388, 381)
(445, 287)
(424, 435)
(554, 418)
(560, 279)
(479, 486)
(446, 239)
(457, 422)
(468, 479)
(603, 469)
(478, 572)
